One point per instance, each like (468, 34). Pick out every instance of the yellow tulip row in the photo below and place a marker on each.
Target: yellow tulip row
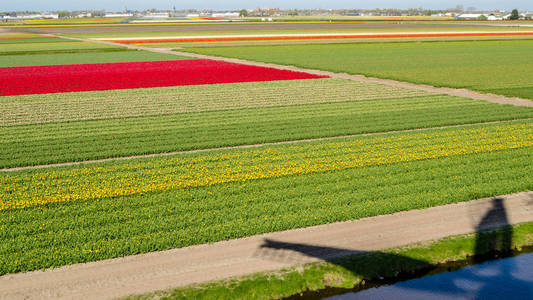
(40, 187)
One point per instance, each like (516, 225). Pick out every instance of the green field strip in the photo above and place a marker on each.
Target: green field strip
(82, 231)
(87, 140)
(520, 92)
(59, 51)
(476, 65)
(17, 35)
(84, 58)
(46, 108)
(25, 41)
(36, 47)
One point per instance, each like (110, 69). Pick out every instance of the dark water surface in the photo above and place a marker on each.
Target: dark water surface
(510, 278)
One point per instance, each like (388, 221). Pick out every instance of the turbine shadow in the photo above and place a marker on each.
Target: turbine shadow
(387, 267)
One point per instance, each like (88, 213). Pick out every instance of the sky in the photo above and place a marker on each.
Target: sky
(119, 5)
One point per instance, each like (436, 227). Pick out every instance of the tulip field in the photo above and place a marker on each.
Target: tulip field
(108, 152)
(50, 108)
(110, 76)
(97, 139)
(190, 171)
(61, 216)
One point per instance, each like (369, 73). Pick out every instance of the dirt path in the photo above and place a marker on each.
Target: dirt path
(166, 269)
(86, 162)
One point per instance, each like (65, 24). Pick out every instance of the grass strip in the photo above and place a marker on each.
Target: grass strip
(355, 271)
(41, 52)
(520, 92)
(477, 65)
(53, 46)
(38, 40)
(83, 58)
(86, 140)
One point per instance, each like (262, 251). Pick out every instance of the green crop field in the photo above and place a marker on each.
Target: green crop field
(46, 108)
(84, 140)
(86, 213)
(503, 67)
(27, 40)
(98, 56)
(37, 48)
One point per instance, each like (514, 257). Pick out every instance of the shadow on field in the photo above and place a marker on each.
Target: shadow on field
(379, 268)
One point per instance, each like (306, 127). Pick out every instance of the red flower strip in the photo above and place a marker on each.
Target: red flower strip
(23, 37)
(109, 76)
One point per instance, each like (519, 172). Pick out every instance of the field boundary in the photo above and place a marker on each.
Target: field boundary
(248, 146)
(203, 263)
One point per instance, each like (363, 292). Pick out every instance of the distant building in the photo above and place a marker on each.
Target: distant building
(117, 15)
(470, 16)
(84, 15)
(157, 15)
(226, 15)
(32, 17)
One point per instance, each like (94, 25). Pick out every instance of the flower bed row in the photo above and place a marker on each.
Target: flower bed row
(135, 177)
(109, 76)
(319, 36)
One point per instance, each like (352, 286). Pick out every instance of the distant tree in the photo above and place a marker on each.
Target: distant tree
(482, 18)
(243, 13)
(514, 15)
